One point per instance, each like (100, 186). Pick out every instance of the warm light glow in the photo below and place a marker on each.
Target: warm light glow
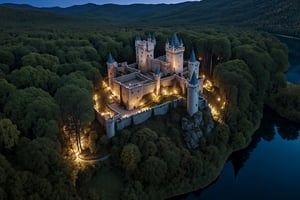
(96, 100)
(164, 92)
(125, 116)
(155, 98)
(215, 113)
(142, 103)
(219, 99)
(208, 85)
(223, 105)
(108, 114)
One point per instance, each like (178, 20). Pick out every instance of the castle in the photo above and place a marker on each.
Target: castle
(131, 83)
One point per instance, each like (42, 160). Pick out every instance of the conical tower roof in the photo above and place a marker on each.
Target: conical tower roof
(110, 59)
(137, 38)
(193, 57)
(194, 80)
(175, 40)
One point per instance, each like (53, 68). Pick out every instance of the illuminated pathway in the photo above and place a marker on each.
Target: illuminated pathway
(91, 159)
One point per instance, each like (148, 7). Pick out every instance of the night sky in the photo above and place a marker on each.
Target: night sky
(66, 3)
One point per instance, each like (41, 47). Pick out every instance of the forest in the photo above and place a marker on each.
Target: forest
(276, 16)
(47, 80)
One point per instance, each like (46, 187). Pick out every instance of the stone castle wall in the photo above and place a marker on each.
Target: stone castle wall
(167, 81)
(141, 117)
(121, 123)
(149, 88)
(162, 109)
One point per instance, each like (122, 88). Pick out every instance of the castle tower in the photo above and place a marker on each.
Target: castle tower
(192, 95)
(157, 76)
(174, 54)
(111, 69)
(193, 65)
(110, 127)
(144, 50)
(138, 42)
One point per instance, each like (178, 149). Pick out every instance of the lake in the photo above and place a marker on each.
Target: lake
(269, 168)
(293, 73)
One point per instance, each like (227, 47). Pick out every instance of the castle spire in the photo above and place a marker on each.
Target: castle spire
(153, 38)
(194, 80)
(137, 37)
(193, 57)
(110, 59)
(149, 37)
(175, 40)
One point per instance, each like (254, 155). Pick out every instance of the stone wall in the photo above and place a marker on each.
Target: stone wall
(122, 123)
(162, 109)
(202, 103)
(116, 88)
(149, 88)
(141, 117)
(167, 81)
(182, 84)
(100, 118)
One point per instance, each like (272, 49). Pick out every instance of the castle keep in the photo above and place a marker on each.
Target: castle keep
(149, 75)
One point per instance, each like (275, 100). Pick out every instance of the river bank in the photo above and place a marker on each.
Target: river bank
(183, 194)
(271, 121)
(262, 169)
(287, 36)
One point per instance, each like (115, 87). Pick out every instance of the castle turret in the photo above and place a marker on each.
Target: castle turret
(154, 39)
(174, 54)
(111, 69)
(110, 127)
(193, 65)
(157, 76)
(144, 50)
(192, 95)
(138, 42)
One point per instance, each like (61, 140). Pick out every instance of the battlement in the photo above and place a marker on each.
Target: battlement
(151, 79)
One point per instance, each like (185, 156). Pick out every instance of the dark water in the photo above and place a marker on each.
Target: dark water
(269, 168)
(293, 73)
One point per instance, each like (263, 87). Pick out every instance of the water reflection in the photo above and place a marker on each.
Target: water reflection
(272, 124)
(293, 73)
(273, 127)
(260, 174)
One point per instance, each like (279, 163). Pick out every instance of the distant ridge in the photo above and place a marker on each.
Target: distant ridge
(281, 16)
(32, 17)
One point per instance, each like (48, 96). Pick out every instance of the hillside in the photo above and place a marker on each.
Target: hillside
(29, 17)
(271, 15)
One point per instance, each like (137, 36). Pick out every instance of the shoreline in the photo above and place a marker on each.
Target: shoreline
(219, 171)
(286, 36)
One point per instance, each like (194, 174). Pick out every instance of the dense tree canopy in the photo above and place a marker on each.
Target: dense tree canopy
(76, 108)
(9, 134)
(47, 80)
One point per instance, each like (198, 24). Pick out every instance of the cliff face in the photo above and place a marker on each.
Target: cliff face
(196, 127)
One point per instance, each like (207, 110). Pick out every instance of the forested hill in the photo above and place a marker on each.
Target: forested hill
(272, 15)
(20, 18)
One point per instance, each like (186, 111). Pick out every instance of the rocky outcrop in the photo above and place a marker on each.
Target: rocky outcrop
(194, 128)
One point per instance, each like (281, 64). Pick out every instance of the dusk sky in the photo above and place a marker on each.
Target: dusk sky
(66, 3)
